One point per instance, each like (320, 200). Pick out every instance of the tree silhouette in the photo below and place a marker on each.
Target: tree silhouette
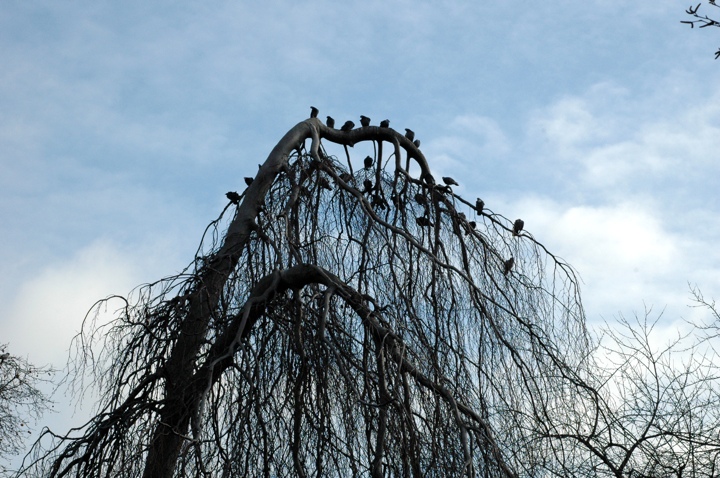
(20, 400)
(702, 21)
(347, 318)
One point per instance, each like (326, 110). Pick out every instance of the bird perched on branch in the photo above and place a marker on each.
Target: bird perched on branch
(450, 181)
(472, 225)
(248, 180)
(421, 199)
(416, 143)
(479, 205)
(423, 221)
(364, 121)
(409, 134)
(368, 185)
(349, 125)
(385, 123)
(324, 183)
(330, 122)
(314, 112)
(368, 162)
(518, 226)
(507, 265)
(233, 196)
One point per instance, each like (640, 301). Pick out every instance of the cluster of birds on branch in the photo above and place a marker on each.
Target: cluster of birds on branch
(364, 123)
(369, 187)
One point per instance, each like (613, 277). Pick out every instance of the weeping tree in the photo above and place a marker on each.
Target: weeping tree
(347, 317)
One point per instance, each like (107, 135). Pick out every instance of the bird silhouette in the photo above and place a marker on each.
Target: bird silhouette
(518, 226)
(364, 121)
(233, 196)
(479, 205)
(421, 199)
(507, 265)
(248, 181)
(324, 183)
(385, 124)
(409, 134)
(423, 221)
(349, 125)
(450, 181)
(314, 112)
(330, 122)
(472, 224)
(368, 186)
(368, 162)
(416, 143)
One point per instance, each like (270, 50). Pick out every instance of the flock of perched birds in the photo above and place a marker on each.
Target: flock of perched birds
(422, 221)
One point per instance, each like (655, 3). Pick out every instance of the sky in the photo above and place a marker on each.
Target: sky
(123, 124)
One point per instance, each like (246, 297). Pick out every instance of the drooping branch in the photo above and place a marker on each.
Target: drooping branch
(370, 316)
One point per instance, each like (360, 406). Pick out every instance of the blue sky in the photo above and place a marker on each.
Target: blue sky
(123, 124)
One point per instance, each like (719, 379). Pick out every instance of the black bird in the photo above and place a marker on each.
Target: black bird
(378, 202)
(409, 134)
(479, 205)
(518, 226)
(450, 181)
(385, 124)
(442, 189)
(507, 265)
(416, 143)
(420, 198)
(324, 183)
(347, 177)
(330, 122)
(368, 162)
(368, 186)
(233, 197)
(314, 112)
(423, 221)
(472, 224)
(349, 125)
(364, 121)
(248, 181)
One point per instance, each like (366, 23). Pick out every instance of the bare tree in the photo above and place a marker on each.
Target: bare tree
(349, 318)
(20, 400)
(702, 20)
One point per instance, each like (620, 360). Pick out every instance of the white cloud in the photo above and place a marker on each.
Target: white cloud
(48, 310)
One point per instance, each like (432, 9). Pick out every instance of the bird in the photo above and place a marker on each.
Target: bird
(420, 198)
(368, 162)
(248, 181)
(472, 224)
(385, 123)
(416, 143)
(368, 186)
(233, 196)
(4, 356)
(364, 121)
(423, 221)
(518, 226)
(314, 112)
(330, 122)
(409, 134)
(450, 181)
(507, 265)
(346, 177)
(324, 183)
(479, 205)
(347, 126)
